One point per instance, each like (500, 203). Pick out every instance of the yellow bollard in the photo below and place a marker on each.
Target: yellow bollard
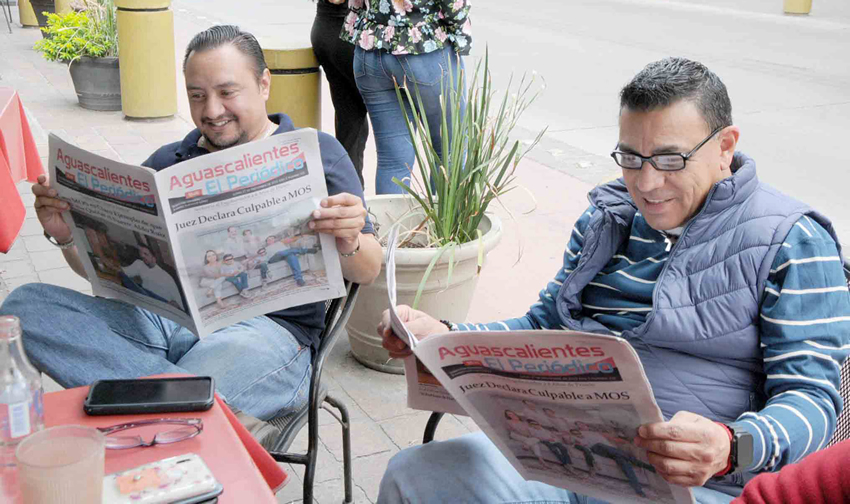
(63, 6)
(797, 6)
(146, 58)
(26, 14)
(296, 86)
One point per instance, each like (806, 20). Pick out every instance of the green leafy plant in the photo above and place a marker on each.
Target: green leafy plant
(90, 29)
(478, 161)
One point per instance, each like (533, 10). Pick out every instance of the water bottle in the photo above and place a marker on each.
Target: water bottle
(21, 402)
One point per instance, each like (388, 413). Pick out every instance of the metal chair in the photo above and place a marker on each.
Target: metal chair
(336, 315)
(7, 12)
(842, 425)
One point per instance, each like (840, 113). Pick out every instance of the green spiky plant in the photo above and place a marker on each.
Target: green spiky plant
(477, 164)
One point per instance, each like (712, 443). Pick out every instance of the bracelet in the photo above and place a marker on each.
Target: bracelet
(353, 252)
(448, 324)
(63, 246)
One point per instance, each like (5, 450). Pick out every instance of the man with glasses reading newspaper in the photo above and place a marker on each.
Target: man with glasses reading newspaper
(261, 366)
(732, 294)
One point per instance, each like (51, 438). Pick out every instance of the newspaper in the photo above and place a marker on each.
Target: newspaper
(208, 242)
(562, 406)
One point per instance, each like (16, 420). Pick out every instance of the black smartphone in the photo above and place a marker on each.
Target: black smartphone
(153, 395)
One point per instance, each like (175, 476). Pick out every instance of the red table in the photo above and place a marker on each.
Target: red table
(19, 160)
(238, 462)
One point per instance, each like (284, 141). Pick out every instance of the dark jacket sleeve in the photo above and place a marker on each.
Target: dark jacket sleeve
(820, 478)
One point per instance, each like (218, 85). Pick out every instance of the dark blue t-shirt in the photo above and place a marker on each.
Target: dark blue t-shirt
(305, 322)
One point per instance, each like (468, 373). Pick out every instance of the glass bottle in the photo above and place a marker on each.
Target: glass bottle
(21, 400)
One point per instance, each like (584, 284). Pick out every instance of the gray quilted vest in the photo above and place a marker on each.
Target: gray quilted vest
(700, 343)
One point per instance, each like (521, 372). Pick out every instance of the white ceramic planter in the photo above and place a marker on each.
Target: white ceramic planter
(440, 298)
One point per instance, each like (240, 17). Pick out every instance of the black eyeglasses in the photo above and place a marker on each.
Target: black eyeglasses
(662, 162)
(186, 428)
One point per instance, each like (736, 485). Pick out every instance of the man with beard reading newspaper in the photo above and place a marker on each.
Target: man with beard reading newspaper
(261, 366)
(731, 293)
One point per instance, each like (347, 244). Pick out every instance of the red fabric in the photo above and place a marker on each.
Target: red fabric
(245, 470)
(820, 478)
(19, 160)
(729, 463)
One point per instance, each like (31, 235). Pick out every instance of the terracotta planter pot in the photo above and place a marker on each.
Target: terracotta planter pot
(441, 299)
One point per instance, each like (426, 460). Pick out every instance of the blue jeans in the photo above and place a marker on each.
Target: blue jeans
(290, 255)
(257, 365)
(240, 281)
(374, 72)
(471, 469)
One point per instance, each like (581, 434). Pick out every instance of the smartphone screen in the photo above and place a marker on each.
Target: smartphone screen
(150, 395)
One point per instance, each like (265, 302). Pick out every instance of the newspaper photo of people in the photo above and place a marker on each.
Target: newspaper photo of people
(590, 445)
(234, 266)
(135, 261)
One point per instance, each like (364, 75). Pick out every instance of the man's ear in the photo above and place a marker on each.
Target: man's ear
(265, 84)
(728, 141)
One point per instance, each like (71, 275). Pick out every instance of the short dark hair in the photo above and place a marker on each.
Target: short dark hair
(216, 36)
(227, 256)
(664, 82)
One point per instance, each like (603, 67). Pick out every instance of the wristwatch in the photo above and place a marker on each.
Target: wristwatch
(740, 449)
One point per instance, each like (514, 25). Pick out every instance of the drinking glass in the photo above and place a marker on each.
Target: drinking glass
(62, 465)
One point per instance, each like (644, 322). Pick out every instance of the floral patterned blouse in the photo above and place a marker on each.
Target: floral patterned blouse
(408, 26)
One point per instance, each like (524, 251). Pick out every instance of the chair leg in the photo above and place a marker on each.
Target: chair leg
(431, 427)
(346, 446)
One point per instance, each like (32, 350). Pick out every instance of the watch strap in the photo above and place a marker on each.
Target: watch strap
(730, 463)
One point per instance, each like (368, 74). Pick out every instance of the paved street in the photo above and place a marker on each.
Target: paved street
(789, 80)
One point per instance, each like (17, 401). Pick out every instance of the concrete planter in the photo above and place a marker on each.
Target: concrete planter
(797, 6)
(440, 299)
(40, 7)
(97, 82)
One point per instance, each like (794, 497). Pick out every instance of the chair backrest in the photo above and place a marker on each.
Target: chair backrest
(842, 426)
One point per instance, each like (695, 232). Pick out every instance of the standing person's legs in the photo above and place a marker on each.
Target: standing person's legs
(336, 57)
(77, 339)
(373, 72)
(430, 73)
(258, 366)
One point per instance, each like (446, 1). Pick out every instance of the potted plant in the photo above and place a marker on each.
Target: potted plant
(445, 230)
(87, 39)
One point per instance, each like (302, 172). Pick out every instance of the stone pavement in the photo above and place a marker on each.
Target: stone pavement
(537, 219)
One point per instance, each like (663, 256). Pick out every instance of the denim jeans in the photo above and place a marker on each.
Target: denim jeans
(257, 365)
(471, 469)
(290, 255)
(240, 281)
(624, 462)
(375, 72)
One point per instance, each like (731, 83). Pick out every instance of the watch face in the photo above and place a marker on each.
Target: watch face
(744, 450)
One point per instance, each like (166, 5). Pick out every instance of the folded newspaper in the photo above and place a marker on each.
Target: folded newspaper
(209, 242)
(562, 406)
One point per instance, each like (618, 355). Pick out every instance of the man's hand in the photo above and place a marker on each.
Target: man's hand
(49, 208)
(342, 216)
(687, 450)
(419, 323)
